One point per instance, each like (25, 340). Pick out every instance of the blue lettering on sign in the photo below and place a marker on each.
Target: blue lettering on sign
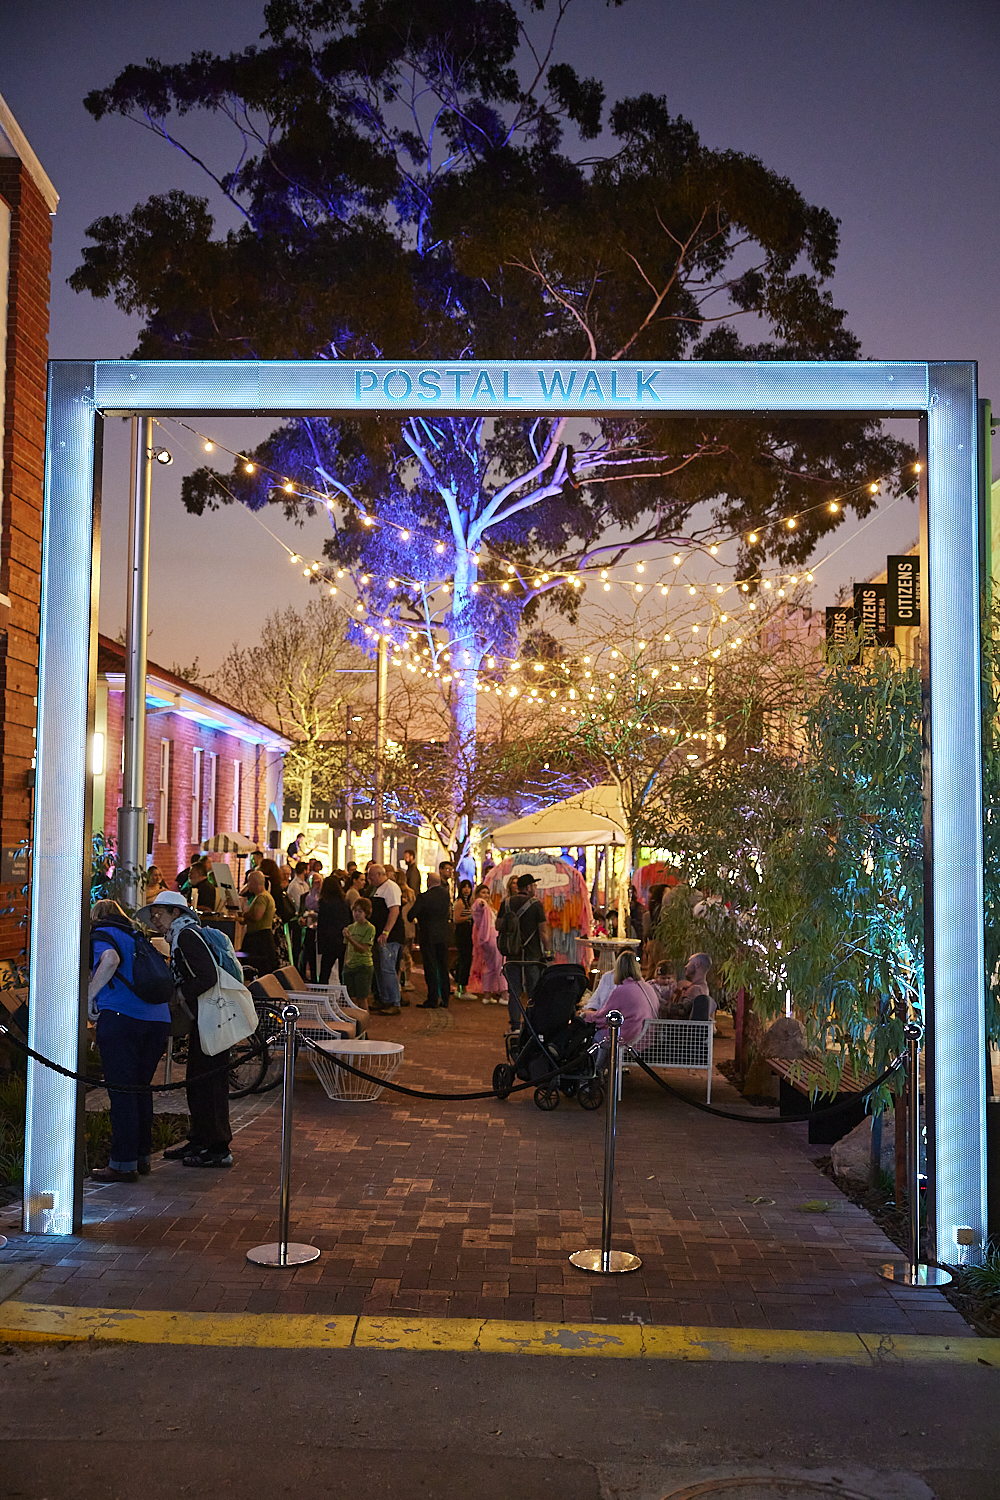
(506, 388)
(402, 376)
(484, 383)
(592, 380)
(615, 393)
(645, 386)
(557, 380)
(430, 383)
(458, 381)
(362, 390)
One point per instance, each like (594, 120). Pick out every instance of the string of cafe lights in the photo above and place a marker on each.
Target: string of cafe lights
(537, 580)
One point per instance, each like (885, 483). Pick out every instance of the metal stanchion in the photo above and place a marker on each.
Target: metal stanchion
(912, 1272)
(284, 1254)
(168, 1062)
(606, 1260)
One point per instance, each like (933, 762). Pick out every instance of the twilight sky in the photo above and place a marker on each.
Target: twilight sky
(883, 113)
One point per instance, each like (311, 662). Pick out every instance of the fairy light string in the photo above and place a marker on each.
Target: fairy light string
(496, 673)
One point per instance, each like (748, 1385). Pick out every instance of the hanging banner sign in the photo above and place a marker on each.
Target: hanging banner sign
(839, 621)
(903, 606)
(320, 811)
(870, 604)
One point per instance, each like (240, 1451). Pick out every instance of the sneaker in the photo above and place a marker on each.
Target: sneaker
(383, 1010)
(178, 1153)
(208, 1159)
(144, 1166)
(112, 1174)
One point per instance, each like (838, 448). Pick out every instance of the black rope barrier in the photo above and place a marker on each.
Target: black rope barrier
(145, 1088)
(491, 1093)
(401, 1088)
(102, 1083)
(815, 1114)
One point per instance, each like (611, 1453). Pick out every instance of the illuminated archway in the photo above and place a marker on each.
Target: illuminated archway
(941, 394)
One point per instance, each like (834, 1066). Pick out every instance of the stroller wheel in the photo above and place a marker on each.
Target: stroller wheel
(590, 1094)
(503, 1080)
(547, 1098)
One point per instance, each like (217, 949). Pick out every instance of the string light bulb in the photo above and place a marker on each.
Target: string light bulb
(791, 523)
(753, 537)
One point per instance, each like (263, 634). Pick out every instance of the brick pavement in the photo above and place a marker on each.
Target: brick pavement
(471, 1210)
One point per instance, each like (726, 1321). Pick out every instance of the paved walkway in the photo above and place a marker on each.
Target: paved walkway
(471, 1210)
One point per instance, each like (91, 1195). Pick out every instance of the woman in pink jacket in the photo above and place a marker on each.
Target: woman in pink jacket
(634, 996)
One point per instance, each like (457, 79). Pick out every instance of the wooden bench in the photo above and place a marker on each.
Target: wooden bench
(679, 1044)
(796, 1080)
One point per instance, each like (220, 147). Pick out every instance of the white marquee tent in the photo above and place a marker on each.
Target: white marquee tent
(591, 817)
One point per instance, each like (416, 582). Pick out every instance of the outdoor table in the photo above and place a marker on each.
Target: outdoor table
(609, 950)
(381, 1058)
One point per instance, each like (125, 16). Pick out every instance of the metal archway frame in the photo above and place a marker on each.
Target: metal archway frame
(942, 394)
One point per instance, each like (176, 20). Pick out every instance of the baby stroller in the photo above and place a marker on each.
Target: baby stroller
(553, 1039)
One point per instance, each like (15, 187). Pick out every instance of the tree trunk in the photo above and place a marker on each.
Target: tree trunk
(305, 810)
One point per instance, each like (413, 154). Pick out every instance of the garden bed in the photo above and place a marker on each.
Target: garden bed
(975, 1292)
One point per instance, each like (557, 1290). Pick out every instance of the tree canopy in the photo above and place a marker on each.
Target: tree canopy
(412, 180)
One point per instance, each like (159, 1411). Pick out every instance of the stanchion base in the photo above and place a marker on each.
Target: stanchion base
(903, 1274)
(593, 1260)
(3, 1240)
(295, 1255)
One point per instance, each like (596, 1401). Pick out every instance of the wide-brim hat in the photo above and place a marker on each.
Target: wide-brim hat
(165, 898)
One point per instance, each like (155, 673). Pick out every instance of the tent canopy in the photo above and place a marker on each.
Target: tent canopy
(591, 817)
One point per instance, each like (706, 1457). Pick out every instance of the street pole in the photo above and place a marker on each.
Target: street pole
(381, 685)
(132, 816)
(348, 794)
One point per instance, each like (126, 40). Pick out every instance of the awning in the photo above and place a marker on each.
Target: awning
(229, 843)
(591, 817)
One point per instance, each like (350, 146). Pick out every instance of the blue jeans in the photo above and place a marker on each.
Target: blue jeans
(386, 956)
(521, 978)
(130, 1050)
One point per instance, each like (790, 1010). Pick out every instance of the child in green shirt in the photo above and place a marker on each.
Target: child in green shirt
(358, 963)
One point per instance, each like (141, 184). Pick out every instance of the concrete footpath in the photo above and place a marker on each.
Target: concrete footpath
(109, 1422)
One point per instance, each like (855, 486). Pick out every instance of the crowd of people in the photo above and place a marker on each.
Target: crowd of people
(363, 923)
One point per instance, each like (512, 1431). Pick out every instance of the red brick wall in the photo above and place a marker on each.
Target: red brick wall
(173, 852)
(20, 547)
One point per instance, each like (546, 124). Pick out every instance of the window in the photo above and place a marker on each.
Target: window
(211, 792)
(237, 809)
(163, 812)
(196, 758)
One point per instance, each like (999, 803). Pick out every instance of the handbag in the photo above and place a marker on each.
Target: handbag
(226, 1014)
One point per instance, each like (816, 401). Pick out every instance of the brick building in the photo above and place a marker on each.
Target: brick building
(27, 202)
(209, 768)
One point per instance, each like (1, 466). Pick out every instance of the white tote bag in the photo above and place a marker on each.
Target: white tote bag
(226, 1014)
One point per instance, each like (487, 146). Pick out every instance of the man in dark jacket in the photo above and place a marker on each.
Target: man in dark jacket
(194, 970)
(432, 911)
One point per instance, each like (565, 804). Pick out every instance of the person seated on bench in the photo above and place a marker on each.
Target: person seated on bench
(634, 996)
(696, 972)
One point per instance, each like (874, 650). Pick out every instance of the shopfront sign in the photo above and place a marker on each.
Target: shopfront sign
(870, 605)
(903, 600)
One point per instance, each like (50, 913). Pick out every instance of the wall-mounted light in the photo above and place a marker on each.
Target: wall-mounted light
(163, 456)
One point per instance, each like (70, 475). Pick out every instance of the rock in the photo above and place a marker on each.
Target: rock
(785, 1037)
(851, 1156)
(760, 1082)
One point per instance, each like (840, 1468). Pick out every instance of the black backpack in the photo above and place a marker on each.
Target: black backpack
(151, 978)
(510, 938)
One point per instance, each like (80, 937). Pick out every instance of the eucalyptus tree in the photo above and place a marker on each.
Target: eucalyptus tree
(413, 179)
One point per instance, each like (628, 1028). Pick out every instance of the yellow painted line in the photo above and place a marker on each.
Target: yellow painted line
(754, 1345)
(608, 1340)
(42, 1322)
(457, 1335)
(34, 1321)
